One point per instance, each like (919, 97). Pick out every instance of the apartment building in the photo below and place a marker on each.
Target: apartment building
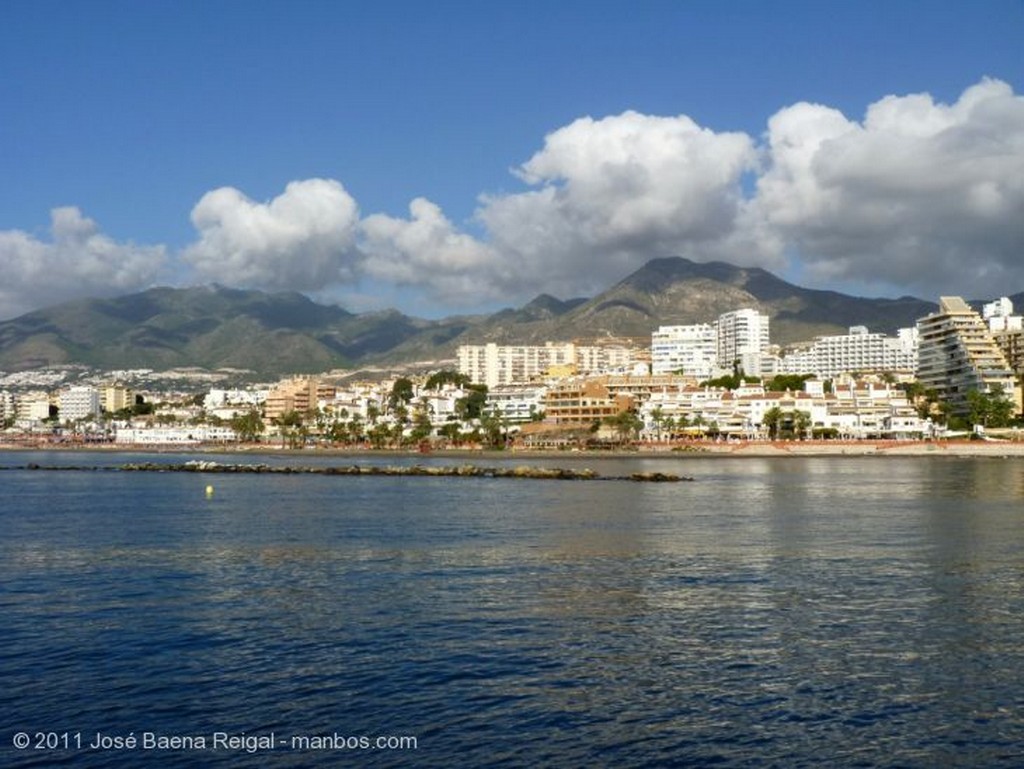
(858, 411)
(302, 394)
(516, 403)
(858, 351)
(78, 403)
(495, 365)
(581, 403)
(957, 353)
(115, 397)
(7, 405)
(743, 339)
(690, 349)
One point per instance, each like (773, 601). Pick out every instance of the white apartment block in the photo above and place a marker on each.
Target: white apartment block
(691, 349)
(999, 316)
(7, 405)
(79, 403)
(495, 365)
(957, 353)
(743, 338)
(854, 412)
(516, 403)
(32, 407)
(858, 351)
(173, 436)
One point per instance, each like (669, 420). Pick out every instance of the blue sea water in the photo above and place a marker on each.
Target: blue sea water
(775, 612)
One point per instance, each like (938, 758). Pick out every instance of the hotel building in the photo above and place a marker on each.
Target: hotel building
(957, 353)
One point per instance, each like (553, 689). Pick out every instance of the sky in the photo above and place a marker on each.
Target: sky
(455, 157)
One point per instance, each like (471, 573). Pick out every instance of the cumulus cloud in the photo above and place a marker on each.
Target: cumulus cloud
(304, 239)
(610, 194)
(77, 261)
(426, 249)
(920, 194)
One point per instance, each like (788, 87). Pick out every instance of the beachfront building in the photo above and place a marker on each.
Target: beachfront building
(957, 353)
(582, 403)
(302, 395)
(690, 349)
(516, 403)
(191, 435)
(79, 402)
(7, 406)
(856, 411)
(116, 397)
(743, 340)
(859, 351)
(495, 365)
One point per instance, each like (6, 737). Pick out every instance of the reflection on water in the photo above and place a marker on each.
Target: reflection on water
(792, 612)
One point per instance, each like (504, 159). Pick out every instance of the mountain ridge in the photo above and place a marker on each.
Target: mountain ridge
(287, 332)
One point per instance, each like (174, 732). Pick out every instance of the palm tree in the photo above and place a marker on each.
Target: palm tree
(772, 419)
(658, 417)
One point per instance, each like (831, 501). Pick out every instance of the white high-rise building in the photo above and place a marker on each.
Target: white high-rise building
(957, 354)
(690, 349)
(495, 365)
(999, 316)
(79, 403)
(743, 338)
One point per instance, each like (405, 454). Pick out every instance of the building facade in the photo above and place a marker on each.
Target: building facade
(692, 350)
(743, 338)
(957, 354)
(858, 351)
(79, 403)
(496, 365)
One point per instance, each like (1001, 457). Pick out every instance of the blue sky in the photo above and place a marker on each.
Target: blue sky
(121, 121)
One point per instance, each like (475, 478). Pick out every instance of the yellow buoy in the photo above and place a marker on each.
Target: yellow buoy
(209, 491)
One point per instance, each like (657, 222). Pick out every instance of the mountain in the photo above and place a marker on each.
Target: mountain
(210, 327)
(675, 291)
(271, 334)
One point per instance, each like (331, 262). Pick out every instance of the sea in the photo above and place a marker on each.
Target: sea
(773, 612)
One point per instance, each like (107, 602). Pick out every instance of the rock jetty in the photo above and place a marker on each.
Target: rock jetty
(440, 471)
(445, 471)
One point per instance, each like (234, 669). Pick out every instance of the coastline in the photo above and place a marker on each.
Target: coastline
(758, 449)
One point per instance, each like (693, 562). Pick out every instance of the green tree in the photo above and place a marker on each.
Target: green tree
(421, 426)
(991, 409)
(472, 405)
(451, 431)
(248, 426)
(783, 382)
(401, 393)
(772, 420)
(440, 378)
(801, 424)
(658, 417)
(627, 425)
(493, 423)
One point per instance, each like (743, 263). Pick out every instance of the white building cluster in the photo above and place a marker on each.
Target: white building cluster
(851, 410)
(705, 350)
(495, 365)
(856, 352)
(951, 352)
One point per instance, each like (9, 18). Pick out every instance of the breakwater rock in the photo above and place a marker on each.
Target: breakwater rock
(459, 471)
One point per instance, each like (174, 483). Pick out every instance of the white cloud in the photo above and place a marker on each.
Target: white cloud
(304, 239)
(77, 261)
(427, 250)
(611, 194)
(919, 194)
